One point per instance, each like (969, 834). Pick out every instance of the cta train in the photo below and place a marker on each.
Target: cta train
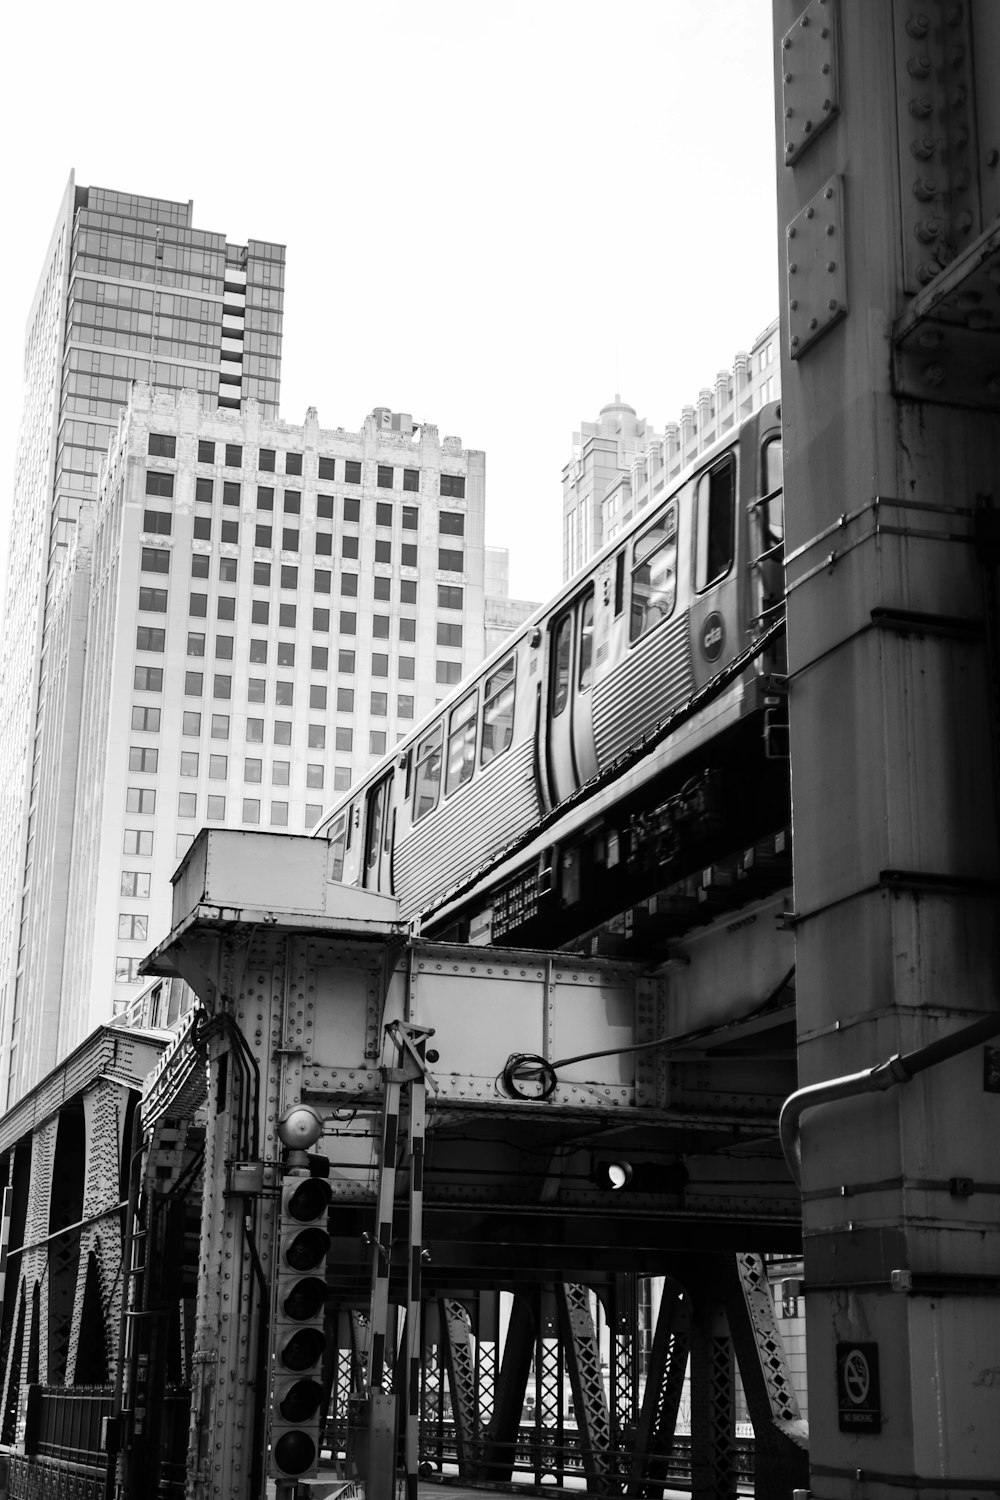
(615, 737)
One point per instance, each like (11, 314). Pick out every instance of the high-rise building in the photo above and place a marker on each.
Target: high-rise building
(129, 290)
(620, 464)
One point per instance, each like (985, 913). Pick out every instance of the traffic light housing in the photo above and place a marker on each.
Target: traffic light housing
(298, 1339)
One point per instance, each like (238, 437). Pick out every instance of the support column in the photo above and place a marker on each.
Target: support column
(713, 1391)
(461, 1367)
(500, 1440)
(654, 1439)
(589, 1400)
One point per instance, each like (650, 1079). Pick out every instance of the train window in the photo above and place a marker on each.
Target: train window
(498, 712)
(619, 584)
(427, 778)
(773, 512)
(586, 672)
(562, 651)
(338, 847)
(462, 742)
(376, 812)
(714, 515)
(654, 574)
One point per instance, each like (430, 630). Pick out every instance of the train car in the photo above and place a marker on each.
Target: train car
(603, 738)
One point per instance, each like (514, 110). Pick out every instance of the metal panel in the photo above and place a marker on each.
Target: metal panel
(809, 77)
(655, 677)
(817, 274)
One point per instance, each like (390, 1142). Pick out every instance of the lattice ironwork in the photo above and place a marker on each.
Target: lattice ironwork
(593, 1420)
(655, 1431)
(624, 1356)
(550, 1371)
(713, 1406)
(461, 1366)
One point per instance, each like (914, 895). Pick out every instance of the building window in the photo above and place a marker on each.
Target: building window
(222, 686)
(158, 483)
(132, 927)
(187, 804)
(324, 506)
(158, 522)
(286, 653)
(218, 767)
(293, 463)
(206, 451)
(194, 684)
(255, 731)
(345, 700)
(411, 479)
(376, 741)
(407, 628)
(262, 574)
(383, 513)
(408, 555)
(153, 601)
(344, 739)
(319, 658)
(314, 775)
(407, 591)
(148, 679)
(380, 627)
(202, 530)
(379, 705)
(348, 622)
(282, 731)
(265, 460)
(317, 737)
(328, 468)
(220, 726)
(317, 695)
(451, 523)
(341, 778)
(204, 491)
(190, 723)
(449, 635)
(345, 661)
(198, 605)
(142, 759)
(224, 647)
(252, 769)
(279, 814)
(258, 650)
(225, 608)
(380, 664)
(216, 807)
(349, 547)
(138, 841)
(262, 536)
(406, 668)
(229, 531)
(381, 587)
(135, 884)
(352, 475)
(322, 580)
(140, 799)
(230, 496)
(265, 497)
(155, 560)
(411, 518)
(289, 576)
(321, 619)
(349, 585)
(314, 811)
(227, 568)
(286, 615)
(189, 762)
(404, 706)
(146, 719)
(251, 810)
(149, 638)
(291, 502)
(453, 485)
(447, 671)
(283, 694)
(234, 455)
(260, 612)
(280, 772)
(199, 565)
(196, 643)
(256, 689)
(126, 970)
(384, 479)
(383, 551)
(450, 561)
(324, 544)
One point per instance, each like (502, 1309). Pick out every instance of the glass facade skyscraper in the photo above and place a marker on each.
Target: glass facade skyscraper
(129, 290)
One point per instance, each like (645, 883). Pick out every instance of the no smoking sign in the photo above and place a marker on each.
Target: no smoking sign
(859, 1399)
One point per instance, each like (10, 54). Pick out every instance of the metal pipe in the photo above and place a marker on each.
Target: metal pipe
(899, 1068)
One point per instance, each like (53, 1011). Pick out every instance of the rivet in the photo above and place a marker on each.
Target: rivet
(814, 322)
(788, 77)
(830, 229)
(795, 341)
(831, 265)
(921, 107)
(826, 104)
(804, 22)
(786, 42)
(788, 113)
(791, 231)
(808, 126)
(992, 157)
(810, 212)
(825, 32)
(934, 375)
(918, 27)
(793, 268)
(794, 304)
(825, 68)
(833, 304)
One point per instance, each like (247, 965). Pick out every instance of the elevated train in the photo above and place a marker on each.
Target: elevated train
(612, 741)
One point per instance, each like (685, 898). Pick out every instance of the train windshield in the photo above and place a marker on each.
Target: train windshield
(498, 712)
(714, 530)
(654, 574)
(462, 742)
(427, 778)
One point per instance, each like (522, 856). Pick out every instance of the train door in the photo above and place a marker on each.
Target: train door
(571, 754)
(376, 872)
(717, 633)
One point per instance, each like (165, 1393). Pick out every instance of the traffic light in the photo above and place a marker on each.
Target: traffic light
(298, 1339)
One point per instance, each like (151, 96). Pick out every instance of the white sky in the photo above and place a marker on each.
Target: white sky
(496, 214)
